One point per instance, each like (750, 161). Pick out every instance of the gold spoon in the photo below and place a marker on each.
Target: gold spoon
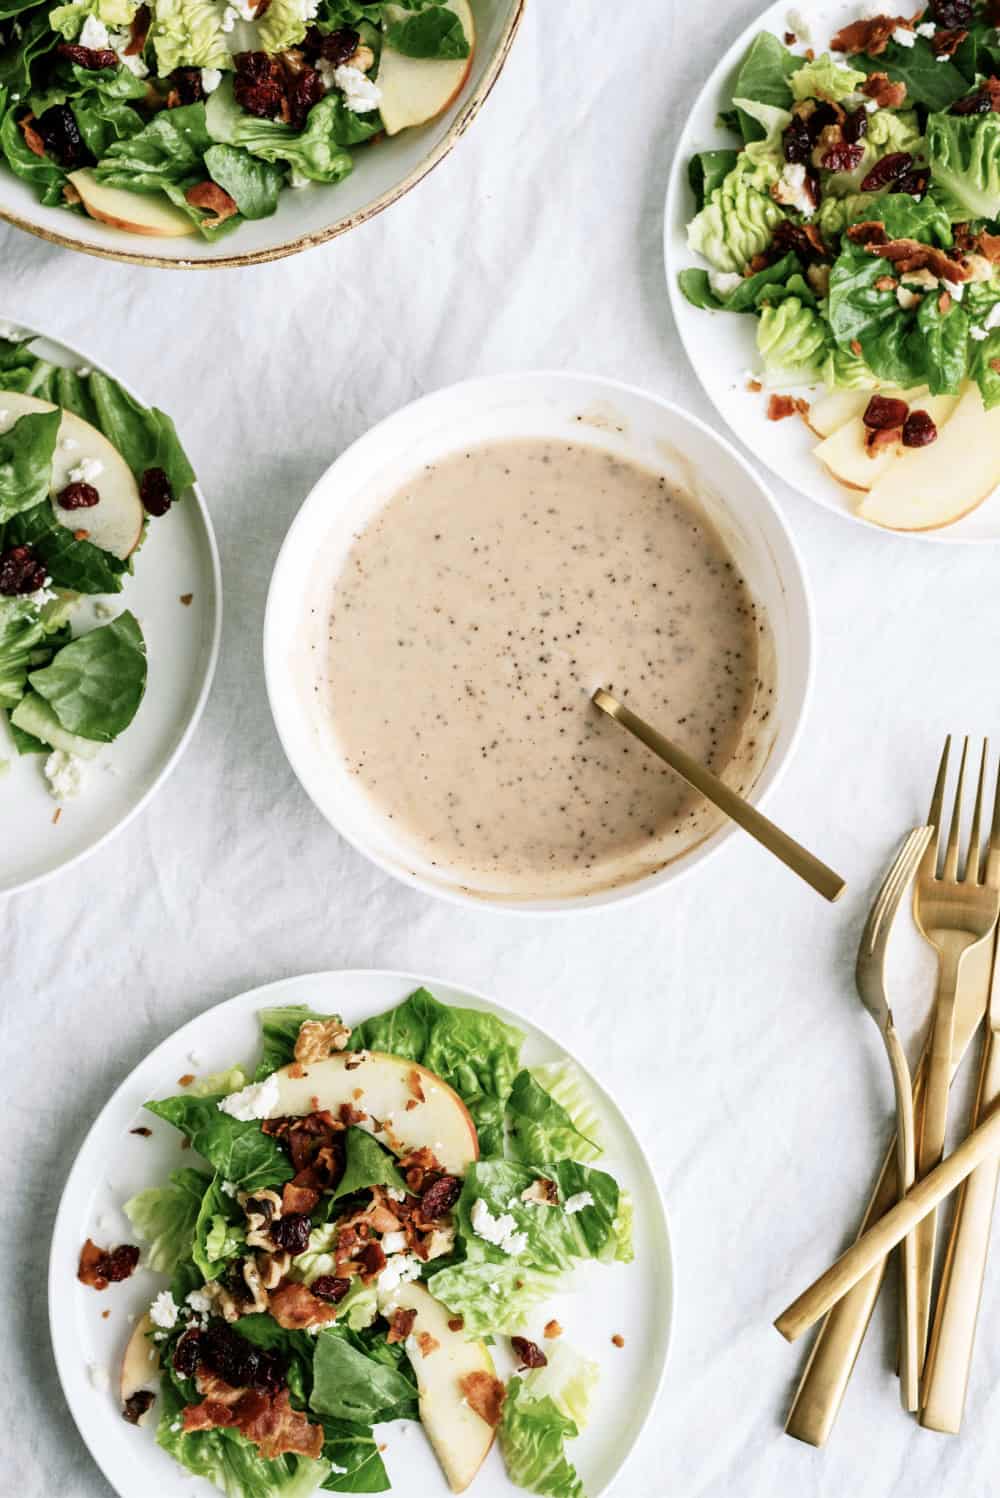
(791, 853)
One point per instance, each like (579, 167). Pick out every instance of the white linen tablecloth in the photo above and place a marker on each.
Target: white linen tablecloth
(722, 1013)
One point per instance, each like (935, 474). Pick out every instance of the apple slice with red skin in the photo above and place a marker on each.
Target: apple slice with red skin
(135, 212)
(417, 89)
(115, 522)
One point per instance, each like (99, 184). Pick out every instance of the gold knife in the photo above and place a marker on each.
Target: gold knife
(838, 1342)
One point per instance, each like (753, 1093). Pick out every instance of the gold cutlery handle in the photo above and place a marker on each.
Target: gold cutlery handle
(881, 1239)
(791, 853)
(949, 1356)
(909, 1345)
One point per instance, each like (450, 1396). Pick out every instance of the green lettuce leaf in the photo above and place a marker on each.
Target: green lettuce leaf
(70, 563)
(253, 185)
(21, 634)
(433, 32)
(356, 1464)
(240, 1152)
(555, 1238)
(68, 19)
(823, 78)
(568, 1378)
(763, 77)
(367, 1164)
(95, 684)
(145, 436)
(219, 1232)
(350, 1385)
(473, 1051)
(493, 1296)
(26, 451)
(164, 1217)
(541, 1128)
(792, 339)
(359, 1307)
(739, 218)
(930, 82)
(707, 171)
(946, 342)
(279, 1030)
(843, 370)
(189, 34)
(532, 1433)
(964, 153)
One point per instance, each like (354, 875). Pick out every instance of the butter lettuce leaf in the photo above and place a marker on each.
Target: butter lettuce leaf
(349, 1384)
(739, 218)
(764, 77)
(823, 78)
(164, 1218)
(95, 684)
(240, 1152)
(543, 1126)
(532, 1434)
(26, 451)
(792, 339)
(189, 34)
(964, 153)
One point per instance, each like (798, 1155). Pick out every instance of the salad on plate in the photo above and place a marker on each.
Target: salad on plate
(83, 468)
(176, 117)
(369, 1218)
(854, 213)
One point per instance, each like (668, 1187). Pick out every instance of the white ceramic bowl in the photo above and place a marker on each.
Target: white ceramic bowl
(640, 427)
(308, 216)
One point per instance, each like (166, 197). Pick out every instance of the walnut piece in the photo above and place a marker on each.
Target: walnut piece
(319, 1038)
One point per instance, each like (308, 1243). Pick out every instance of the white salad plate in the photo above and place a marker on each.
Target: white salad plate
(634, 1301)
(639, 427)
(383, 172)
(179, 557)
(721, 345)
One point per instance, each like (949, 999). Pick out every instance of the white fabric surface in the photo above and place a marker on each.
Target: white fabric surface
(721, 1013)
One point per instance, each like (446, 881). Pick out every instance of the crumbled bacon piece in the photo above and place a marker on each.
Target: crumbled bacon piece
(295, 1199)
(101, 1267)
(372, 1260)
(315, 1146)
(93, 59)
(870, 36)
(886, 94)
(529, 1354)
(32, 139)
(988, 245)
(267, 1420)
(885, 283)
(20, 572)
(349, 1115)
(401, 1324)
(781, 406)
(552, 1329)
(455, 1323)
(142, 1131)
(136, 1405)
(294, 1306)
(427, 1344)
(413, 1083)
(879, 438)
(946, 41)
(485, 1394)
(213, 200)
(618, 1340)
(908, 254)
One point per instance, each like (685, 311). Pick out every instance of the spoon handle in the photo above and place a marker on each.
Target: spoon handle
(791, 853)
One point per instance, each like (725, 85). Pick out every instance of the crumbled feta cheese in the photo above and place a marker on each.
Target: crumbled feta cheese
(992, 318)
(69, 444)
(723, 282)
(980, 335)
(399, 1270)
(957, 289)
(926, 28)
(257, 1100)
(229, 19)
(98, 1377)
(210, 79)
(86, 472)
(578, 1202)
(361, 95)
(796, 22)
(500, 1231)
(793, 189)
(903, 37)
(906, 298)
(133, 61)
(227, 1188)
(64, 773)
(94, 34)
(870, 106)
(164, 1310)
(394, 1194)
(393, 1243)
(200, 1302)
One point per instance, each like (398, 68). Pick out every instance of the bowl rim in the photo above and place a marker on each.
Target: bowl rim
(792, 577)
(455, 131)
(211, 663)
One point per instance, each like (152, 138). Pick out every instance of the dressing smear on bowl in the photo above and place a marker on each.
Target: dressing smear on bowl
(474, 616)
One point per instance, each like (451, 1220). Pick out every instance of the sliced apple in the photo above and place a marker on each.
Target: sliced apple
(441, 1360)
(115, 522)
(140, 1365)
(847, 458)
(136, 212)
(417, 89)
(936, 485)
(413, 1104)
(835, 409)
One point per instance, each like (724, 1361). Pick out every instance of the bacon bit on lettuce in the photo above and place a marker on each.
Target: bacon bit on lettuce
(485, 1394)
(886, 93)
(294, 1307)
(945, 43)
(295, 1199)
(427, 1344)
(908, 254)
(781, 406)
(988, 245)
(541, 1192)
(879, 438)
(101, 1267)
(32, 139)
(142, 1131)
(870, 36)
(372, 1260)
(315, 1145)
(886, 283)
(267, 1420)
(319, 1038)
(213, 200)
(401, 1324)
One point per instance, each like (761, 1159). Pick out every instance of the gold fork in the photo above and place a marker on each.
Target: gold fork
(870, 979)
(954, 914)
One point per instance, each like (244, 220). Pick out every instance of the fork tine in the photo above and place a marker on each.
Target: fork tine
(930, 860)
(951, 851)
(995, 828)
(889, 896)
(974, 856)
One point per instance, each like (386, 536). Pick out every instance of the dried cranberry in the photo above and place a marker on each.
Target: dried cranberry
(61, 134)
(919, 429)
(952, 14)
(91, 58)
(305, 89)
(883, 412)
(330, 1287)
(915, 182)
(155, 492)
(292, 1232)
(797, 141)
(188, 85)
(824, 114)
(239, 1362)
(887, 170)
(981, 102)
(259, 85)
(842, 157)
(804, 239)
(78, 497)
(855, 126)
(136, 1405)
(336, 46)
(120, 1262)
(187, 1354)
(529, 1353)
(440, 1198)
(20, 572)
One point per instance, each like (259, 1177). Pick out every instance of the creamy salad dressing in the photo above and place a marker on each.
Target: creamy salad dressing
(473, 617)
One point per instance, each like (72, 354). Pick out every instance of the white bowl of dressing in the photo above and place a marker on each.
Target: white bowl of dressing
(509, 535)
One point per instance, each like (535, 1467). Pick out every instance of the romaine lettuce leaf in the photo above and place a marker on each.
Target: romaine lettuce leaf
(356, 1464)
(26, 451)
(68, 19)
(253, 185)
(317, 152)
(145, 436)
(70, 563)
(473, 1051)
(493, 1296)
(218, 1233)
(931, 82)
(21, 632)
(164, 1217)
(240, 1152)
(556, 1239)
(543, 1126)
(532, 1433)
(964, 152)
